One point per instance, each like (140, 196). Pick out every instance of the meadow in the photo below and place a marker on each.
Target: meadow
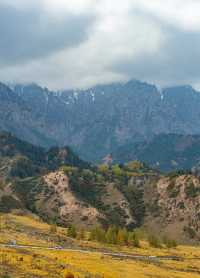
(179, 262)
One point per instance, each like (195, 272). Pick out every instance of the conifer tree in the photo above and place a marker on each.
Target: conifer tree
(71, 232)
(111, 235)
(122, 236)
(133, 240)
(98, 234)
(81, 234)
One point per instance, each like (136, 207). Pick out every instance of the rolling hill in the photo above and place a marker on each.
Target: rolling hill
(61, 188)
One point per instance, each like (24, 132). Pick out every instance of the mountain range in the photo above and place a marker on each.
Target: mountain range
(100, 120)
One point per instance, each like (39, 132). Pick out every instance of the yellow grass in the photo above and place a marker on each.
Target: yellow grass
(47, 263)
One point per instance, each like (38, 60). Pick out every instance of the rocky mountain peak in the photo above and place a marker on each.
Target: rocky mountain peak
(98, 120)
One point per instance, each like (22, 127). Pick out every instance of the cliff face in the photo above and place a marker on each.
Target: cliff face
(98, 120)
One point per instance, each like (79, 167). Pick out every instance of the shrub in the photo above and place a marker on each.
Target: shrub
(8, 203)
(133, 240)
(111, 235)
(154, 241)
(6, 276)
(181, 205)
(191, 191)
(53, 228)
(71, 232)
(98, 234)
(169, 243)
(190, 231)
(103, 169)
(135, 196)
(177, 173)
(22, 167)
(81, 234)
(135, 166)
(122, 237)
(173, 190)
(117, 171)
(68, 170)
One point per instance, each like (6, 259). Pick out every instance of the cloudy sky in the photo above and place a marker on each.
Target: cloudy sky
(79, 43)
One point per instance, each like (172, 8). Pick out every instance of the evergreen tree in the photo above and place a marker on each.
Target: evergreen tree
(53, 228)
(111, 235)
(98, 234)
(170, 243)
(122, 237)
(154, 241)
(81, 234)
(71, 232)
(133, 240)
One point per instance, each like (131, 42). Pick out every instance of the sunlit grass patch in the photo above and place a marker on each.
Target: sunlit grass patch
(35, 263)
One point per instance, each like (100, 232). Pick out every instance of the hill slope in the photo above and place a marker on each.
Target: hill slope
(166, 152)
(32, 178)
(182, 262)
(61, 188)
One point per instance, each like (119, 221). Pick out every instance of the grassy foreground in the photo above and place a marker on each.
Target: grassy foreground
(35, 263)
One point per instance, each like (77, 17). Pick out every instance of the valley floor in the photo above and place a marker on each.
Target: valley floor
(37, 263)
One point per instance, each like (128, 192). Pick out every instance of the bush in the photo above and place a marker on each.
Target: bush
(154, 241)
(173, 190)
(191, 191)
(135, 166)
(81, 234)
(133, 240)
(122, 237)
(53, 228)
(8, 203)
(5, 276)
(169, 243)
(22, 167)
(98, 234)
(190, 231)
(68, 170)
(71, 232)
(111, 235)
(177, 173)
(135, 196)
(103, 169)
(117, 171)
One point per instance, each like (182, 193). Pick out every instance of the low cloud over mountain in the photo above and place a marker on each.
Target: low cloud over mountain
(62, 44)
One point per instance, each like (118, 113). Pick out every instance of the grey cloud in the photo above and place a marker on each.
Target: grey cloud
(29, 34)
(176, 61)
(101, 50)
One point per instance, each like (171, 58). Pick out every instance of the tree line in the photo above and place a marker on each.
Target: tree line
(115, 236)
